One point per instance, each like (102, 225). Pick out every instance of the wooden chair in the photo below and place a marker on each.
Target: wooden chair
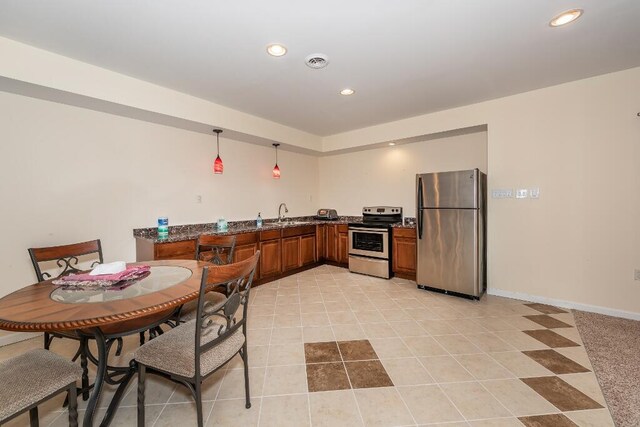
(218, 250)
(192, 351)
(215, 249)
(31, 378)
(67, 258)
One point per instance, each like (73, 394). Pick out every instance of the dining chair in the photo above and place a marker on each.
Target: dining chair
(192, 351)
(64, 260)
(33, 377)
(217, 250)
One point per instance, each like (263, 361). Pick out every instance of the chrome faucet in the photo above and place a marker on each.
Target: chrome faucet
(280, 215)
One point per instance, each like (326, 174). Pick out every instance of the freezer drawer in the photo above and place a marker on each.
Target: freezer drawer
(448, 252)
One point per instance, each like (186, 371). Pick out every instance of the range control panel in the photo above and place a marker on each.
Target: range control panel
(382, 210)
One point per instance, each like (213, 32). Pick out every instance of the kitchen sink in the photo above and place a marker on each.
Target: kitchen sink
(286, 223)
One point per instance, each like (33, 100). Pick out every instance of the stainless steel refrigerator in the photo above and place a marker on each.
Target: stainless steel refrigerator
(451, 232)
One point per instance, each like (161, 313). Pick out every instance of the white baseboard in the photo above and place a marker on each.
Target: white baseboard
(565, 304)
(17, 337)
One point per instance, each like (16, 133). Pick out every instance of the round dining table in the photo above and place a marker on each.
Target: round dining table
(104, 314)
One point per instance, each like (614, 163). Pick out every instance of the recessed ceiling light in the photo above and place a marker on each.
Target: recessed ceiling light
(276, 49)
(392, 143)
(565, 17)
(347, 92)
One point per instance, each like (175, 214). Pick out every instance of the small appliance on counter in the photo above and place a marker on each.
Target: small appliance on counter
(330, 214)
(370, 241)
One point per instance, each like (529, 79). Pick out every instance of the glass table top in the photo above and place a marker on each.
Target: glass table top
(161, 277)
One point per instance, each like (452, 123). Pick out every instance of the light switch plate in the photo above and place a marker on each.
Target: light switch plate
(522, 193)
(502, 193)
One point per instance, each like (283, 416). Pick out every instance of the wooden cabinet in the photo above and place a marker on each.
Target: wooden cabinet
(298, 251)
(290, 253)
(320, 242)
(404, 252)
(308, 250)
(270, 258)
(343, 248)
(336, 243)
(282, 250)
(331, 243)
(175, 250)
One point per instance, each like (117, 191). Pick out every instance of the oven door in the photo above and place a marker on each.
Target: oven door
(369, 242)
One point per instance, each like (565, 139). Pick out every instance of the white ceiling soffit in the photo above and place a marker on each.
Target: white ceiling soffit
(403, 58)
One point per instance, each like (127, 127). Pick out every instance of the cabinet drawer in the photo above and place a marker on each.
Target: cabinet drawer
(343, 228)
(269, 234)
(404, 232)
(176, 250)
(298, 231)
(246, 238)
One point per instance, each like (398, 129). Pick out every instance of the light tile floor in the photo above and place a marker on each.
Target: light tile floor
(453, 362)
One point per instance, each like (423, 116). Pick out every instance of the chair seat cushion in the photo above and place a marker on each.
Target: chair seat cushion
(190, 309)
(174, 351)
(31, 377)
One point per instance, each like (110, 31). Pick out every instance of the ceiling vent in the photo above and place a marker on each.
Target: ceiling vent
(316, 61)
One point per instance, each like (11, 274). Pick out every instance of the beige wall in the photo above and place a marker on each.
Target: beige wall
(580, 144)
(386, 176)
(71, 174)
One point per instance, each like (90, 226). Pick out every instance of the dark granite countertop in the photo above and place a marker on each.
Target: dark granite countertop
(179, 233)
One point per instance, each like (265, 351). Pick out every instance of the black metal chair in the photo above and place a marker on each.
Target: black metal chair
(65, 259)
(192, 351)
(33, 377)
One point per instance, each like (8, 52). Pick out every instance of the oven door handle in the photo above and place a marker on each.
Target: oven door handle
(369, 230)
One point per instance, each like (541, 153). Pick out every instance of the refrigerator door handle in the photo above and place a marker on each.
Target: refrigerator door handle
(419, 208)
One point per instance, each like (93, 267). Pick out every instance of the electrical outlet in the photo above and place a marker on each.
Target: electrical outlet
(534, 193)
(636, 274)
(522, 193)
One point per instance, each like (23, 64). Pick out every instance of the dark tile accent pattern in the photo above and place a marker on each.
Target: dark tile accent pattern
(548, 321)
(357, 350)
(550, 338)
(562, 395)
(343, 365)
(368, 374)
(556, 362)
(546, 309)
(327, 376)
(321, 352)
(553, 420)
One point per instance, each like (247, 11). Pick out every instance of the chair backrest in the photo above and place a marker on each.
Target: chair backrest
(221, 320)
(66, 257)
(217, 250)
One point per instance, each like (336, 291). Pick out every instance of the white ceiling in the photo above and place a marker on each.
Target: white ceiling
(403, 58)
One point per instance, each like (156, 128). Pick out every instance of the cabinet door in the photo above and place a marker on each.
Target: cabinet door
(331, 243)
(307, 250)
(320, 242)
(404, 255)
(290, 253)
(176, 250)
(270, 258)
(343, 248)
(243, 252)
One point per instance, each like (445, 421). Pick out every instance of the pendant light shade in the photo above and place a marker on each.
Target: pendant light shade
(276, 169)
(218, 167)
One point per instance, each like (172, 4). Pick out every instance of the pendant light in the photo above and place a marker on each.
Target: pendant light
(276, 169)
(218, 167)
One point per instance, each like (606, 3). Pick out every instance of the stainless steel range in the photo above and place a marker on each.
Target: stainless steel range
(370, 241)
